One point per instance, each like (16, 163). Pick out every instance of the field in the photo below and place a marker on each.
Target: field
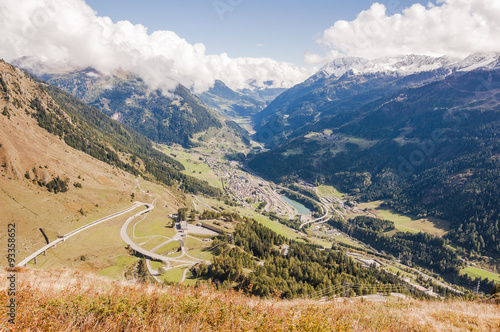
(402, 273)
(155, 223)
(152, 242)
(169, 247)
(120, 263)
(193, 243)
(194, 166)
(362, 143)
(325, 190)
(63, 300)
(346, 240)
(325, 244)
(405, 223)
(478, 273)
(204, 253)
(156, 265)
(190, 280)
(274, 226)
(173, 275)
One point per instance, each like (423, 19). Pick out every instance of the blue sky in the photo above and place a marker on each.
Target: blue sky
(245, 43)
(283, 29)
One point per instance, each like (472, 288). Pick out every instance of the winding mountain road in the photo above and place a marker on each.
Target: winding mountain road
(148, 253)
(63, 238)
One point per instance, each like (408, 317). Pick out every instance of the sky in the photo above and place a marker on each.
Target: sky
(245, 43)
(280, 29)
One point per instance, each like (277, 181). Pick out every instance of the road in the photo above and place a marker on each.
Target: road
(324, 207)
(201, 203)
(125, 238)
(426, 276)
(138, 248)
(274, 199)
(184, 275)
(76, 231)
(131, 243)
(153, 273)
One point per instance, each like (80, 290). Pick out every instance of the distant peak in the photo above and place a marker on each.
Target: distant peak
(340, 66)
(406, 64)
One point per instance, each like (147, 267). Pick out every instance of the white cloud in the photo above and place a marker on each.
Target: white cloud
(314, 59)
(451, 27)
(69, 32)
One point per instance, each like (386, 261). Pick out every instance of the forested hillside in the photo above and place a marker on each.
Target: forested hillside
(89, 130)
(257, 264)
(168, 118)
(432, 150)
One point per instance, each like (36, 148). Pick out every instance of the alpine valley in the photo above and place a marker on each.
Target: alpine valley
(419, 133)
(364, 198)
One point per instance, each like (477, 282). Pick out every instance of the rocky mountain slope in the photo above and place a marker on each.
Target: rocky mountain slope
(231, 103)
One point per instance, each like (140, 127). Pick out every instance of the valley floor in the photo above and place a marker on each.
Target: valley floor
(67, 300)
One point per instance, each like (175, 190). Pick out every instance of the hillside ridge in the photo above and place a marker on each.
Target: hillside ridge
(66, 299)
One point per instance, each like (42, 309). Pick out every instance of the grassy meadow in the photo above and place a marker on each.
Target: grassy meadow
(65, 300)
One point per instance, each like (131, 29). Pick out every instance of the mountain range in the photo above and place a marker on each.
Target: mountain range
(165, 117)
(238, 104)
(425, 141)
(420, 133)
(85, 128)
(346, 84)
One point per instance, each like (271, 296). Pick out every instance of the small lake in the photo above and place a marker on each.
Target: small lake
(301, 208)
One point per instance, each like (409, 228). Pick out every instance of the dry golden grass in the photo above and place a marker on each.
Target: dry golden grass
(26, 148)
(67, 300)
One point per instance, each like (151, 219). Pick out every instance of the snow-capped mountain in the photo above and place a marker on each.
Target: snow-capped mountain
(347, 83)
(406, 65)
(479, 61)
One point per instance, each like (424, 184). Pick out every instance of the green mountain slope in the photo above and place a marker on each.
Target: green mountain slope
(175, 118)
(87, 129)
(432, 150)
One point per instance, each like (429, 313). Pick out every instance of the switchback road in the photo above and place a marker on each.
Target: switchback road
(76, 231)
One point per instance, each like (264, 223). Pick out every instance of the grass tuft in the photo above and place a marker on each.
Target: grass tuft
(66, 300)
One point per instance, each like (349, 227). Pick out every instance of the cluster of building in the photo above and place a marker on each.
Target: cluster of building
(235, 182)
